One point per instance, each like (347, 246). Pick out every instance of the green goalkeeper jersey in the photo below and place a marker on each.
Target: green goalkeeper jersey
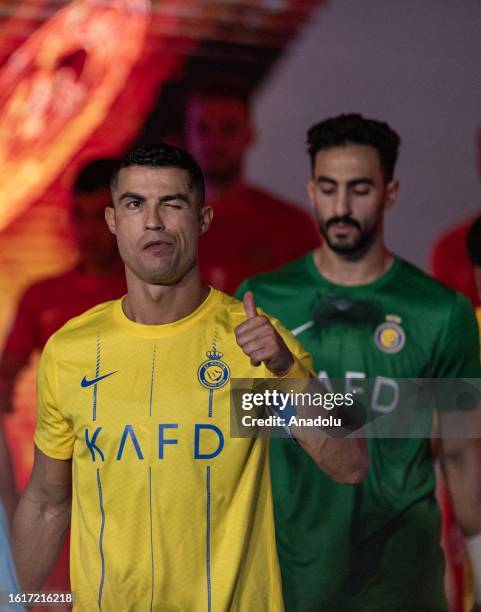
(375, 546)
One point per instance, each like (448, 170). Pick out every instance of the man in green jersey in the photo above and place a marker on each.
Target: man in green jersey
(364, 313)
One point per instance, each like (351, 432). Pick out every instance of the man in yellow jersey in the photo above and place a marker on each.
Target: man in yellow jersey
(132, 440)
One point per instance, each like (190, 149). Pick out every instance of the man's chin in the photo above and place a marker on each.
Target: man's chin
(162, 279)
(352, 246)
(156, 277)
(342, 249)
(348, 249)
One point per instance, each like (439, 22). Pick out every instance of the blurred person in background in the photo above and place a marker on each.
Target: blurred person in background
(450, 261)
(48, 304)
(252, 230)
(473, 246)
(367, 315)
(471, 579)
(97, 277)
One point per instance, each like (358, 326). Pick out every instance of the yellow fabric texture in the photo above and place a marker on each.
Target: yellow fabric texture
(168, 511)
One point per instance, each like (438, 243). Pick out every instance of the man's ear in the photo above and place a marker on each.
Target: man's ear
(110, 218)
(391, 193)
(206, 214)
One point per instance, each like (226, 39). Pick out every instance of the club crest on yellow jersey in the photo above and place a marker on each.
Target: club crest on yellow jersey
(213, 373)
(389, 336)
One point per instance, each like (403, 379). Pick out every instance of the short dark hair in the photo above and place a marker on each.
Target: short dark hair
(473, 242)
(163, 156)
(95, 175)
(355, 129)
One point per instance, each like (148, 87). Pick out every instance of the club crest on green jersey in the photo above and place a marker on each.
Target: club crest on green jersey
(389, 336)
(213, 373)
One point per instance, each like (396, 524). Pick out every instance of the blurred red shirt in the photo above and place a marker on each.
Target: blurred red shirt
(48, 304)
(44, 308)
(253, 231)
(450, 262)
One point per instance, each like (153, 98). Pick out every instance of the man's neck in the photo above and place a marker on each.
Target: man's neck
(160, 304)
(351, 271)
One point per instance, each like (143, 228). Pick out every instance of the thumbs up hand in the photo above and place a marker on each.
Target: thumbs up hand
(260, 341)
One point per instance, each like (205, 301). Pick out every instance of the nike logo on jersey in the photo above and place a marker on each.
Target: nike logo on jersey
(88, 383)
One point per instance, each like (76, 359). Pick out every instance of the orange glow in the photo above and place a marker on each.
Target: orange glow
(57, 88)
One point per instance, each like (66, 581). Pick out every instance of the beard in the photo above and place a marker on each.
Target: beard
(351, 245)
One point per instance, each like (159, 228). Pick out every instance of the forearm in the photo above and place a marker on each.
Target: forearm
(39, 530)
(345, 460)
(461, 463)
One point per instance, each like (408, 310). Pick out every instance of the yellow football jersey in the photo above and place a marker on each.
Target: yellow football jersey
(168, 511)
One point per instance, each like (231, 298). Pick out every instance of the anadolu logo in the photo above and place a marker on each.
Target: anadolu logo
(213, 373)
(390, 336)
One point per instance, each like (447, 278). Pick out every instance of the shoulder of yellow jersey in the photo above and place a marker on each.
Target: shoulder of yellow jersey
(91, 318)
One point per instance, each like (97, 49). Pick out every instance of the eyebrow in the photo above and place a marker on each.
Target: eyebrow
(166, 198)
(131, 194)
(352, 183)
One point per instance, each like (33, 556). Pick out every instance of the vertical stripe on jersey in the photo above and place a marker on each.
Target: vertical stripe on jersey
(211, 401)
(211, 391)
(101, 537)
(97, 374)
(150, 485)
(152, 381)
(151, 540)
(209, 586)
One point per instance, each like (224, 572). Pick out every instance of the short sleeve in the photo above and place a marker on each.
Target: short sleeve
(53, 434)
(458, 350)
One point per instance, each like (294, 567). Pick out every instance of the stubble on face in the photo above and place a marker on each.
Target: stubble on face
(345, 242)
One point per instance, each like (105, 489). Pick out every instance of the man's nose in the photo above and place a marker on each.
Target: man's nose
(342, 203)
(154, 220)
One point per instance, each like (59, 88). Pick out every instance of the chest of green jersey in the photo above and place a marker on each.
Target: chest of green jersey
(368, 354)
(385, 345)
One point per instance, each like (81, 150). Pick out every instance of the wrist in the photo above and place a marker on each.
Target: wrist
(296, 370)
(284, 368)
